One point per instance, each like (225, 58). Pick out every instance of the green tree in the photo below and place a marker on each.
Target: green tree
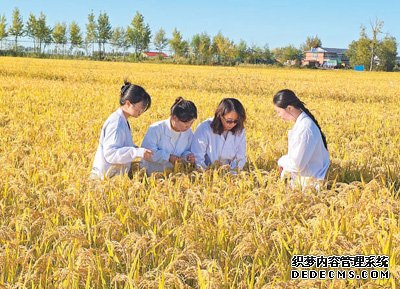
(42, 31)
(195, 46)
(104, 31)
(160, 40)
(358, 51)
(91, 31)
(119, 40)
(259, 55)
(201, 47)
(311, 42)
(376, 28)
(31, 29)
(60, 35)
(372, 52)
(205, 48)
(268, 56)
(3, 30)
(139, 34)
(387, 52)
(254, 54)
(241, 51)
(75, 35)
(223, 49)
(17, 27)
(288, 54)
(177, 44)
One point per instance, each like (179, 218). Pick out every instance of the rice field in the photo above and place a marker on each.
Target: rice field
(191, 229)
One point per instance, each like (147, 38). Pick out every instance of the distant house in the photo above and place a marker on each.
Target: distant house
(325, 57)
(398, 60)
(154, 55)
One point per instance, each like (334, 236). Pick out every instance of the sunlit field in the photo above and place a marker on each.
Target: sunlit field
(191, 229)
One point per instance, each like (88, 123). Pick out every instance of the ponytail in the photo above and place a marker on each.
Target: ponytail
(135, 94)
(303, 108)
(184, 110)
(124, 88)
(177, 101)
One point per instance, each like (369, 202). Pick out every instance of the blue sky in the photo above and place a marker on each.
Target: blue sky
(273, 22)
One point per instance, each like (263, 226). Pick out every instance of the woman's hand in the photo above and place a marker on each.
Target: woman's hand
(190, 158)
(148, 154)
(225, 167)
(173, 159)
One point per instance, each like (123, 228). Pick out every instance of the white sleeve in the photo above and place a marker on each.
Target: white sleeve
(114, 151)
(241, 152)
(299, 153)
(151, 141)
(199, 147)
(284, 162)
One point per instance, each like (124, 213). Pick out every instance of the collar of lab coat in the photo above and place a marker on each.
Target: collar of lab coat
(121, 113)
(299, 118)
(169, 130)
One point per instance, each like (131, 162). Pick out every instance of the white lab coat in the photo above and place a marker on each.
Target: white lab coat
(209, 147)
(307, 157)
(116, 150)
(163, 141)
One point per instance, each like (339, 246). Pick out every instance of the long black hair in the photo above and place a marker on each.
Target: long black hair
(225, 106)
(286, 97)
(184, 110)
(135, 94)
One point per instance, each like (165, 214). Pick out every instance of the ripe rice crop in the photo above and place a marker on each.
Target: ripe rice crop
(190, 229)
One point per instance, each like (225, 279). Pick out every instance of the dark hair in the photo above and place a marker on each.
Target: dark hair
(225, 106)
(286, 97)
(135, 94)
(184, 110)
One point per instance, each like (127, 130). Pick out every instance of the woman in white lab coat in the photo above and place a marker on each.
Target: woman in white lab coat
(307, 160)
(170, 139)
(116, 150)
(222, 139)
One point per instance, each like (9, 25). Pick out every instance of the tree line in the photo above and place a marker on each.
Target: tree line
(373, 52)
(102, 41)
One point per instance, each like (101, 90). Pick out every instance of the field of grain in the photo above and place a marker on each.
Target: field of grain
(190, 229)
